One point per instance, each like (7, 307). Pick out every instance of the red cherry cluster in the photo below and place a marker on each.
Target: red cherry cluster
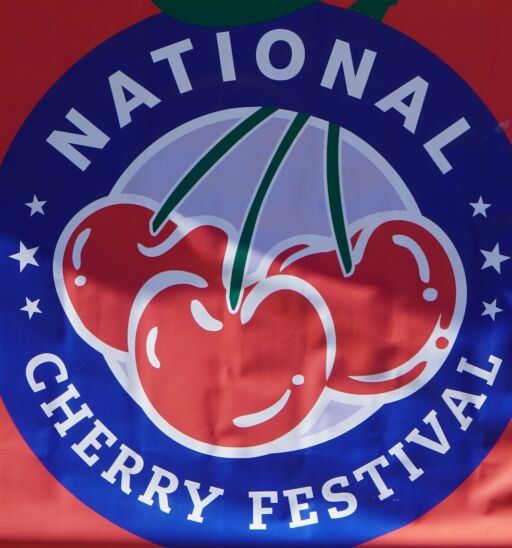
(111, 254)
(386, 311)
(245, 378)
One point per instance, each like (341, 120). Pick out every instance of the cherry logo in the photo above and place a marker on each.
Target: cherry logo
(221, 360)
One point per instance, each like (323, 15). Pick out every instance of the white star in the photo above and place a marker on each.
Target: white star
(490, 309)
(25, 256)
(480, 208)
(36, 206)
(31, 307)
(494, 259)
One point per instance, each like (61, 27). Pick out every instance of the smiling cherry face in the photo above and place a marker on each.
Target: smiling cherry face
(111, 254)
(402, 291)
(231, 379)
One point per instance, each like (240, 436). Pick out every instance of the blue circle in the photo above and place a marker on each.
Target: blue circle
(482, 163)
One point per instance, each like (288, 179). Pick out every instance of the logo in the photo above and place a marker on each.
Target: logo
(260, 290)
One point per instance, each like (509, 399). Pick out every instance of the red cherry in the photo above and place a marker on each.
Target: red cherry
(109, 257)
(386, 311)
(231, 379)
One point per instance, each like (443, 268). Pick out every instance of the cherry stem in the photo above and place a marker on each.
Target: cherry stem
(334, 193)
(251, 220)
(222, 147)
(201, 168)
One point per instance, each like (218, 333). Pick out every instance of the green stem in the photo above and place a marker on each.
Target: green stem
(244, 243)
(336, 199)
(376, 9)
(207, 162)
(199, 170)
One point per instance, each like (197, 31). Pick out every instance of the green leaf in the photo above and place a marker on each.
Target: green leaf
(229, 12)
(376, 9)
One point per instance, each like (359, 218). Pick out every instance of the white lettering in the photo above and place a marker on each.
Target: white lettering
(91, 137)
(296, 507)
(297, 58)
(355, 81)
(227, 64)
(37, 361)
(119, 466)
(61, 402)
(435, 146)
(371, 470)
(258, 510)
(163, 491)
(440, 445)
(404, 459)
(488, 376)
(417, 87)
(464, 398)
(92, 440)
(339, 496)
(172, 54)
(200, 505)
(119, 84)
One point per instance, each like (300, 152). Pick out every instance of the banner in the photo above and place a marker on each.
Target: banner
(256, 266)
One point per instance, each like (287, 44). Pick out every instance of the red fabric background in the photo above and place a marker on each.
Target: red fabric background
(472, 36)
